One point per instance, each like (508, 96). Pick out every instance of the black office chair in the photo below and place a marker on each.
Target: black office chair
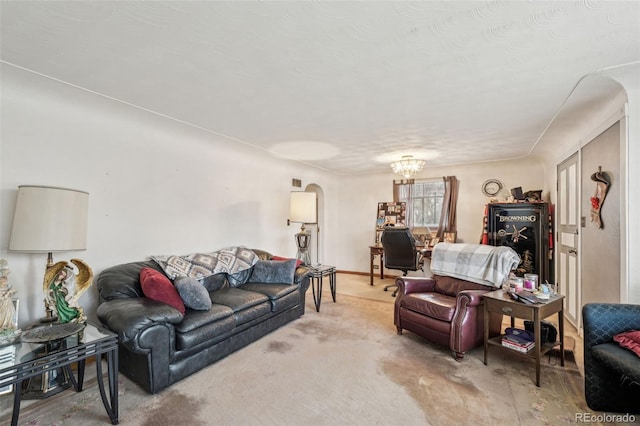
(400, 252)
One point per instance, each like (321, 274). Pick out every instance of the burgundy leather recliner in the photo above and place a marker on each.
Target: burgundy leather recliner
(445, 310)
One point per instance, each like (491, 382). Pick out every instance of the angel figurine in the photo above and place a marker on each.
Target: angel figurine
(63, 288)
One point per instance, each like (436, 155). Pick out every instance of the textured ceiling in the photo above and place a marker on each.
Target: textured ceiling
(345, 86)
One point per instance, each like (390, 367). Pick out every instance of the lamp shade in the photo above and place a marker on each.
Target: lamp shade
(302, 207)
(48, 219)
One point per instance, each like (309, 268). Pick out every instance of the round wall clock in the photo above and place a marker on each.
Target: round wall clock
(491, 187)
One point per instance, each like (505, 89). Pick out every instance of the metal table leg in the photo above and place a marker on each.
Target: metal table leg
(316, 285)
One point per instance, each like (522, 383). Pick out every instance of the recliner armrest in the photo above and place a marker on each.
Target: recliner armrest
(128, 317)
(407, 285)
(474, 297)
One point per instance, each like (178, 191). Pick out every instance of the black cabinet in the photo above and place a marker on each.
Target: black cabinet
(525, 228)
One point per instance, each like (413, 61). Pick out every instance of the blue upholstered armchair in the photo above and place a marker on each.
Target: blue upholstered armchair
(611, 373)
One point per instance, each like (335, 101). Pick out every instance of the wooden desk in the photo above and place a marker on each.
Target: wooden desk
(377, 250)
(500, 302)
(374, 251)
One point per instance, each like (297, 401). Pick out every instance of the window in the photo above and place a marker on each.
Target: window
(427, 203)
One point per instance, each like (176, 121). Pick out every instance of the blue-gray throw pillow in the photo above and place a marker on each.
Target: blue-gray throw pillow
(193, 293)
(239, 278)
(273, 271)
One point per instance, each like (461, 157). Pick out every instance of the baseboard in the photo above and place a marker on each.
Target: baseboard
(366, 274)
(352, 272)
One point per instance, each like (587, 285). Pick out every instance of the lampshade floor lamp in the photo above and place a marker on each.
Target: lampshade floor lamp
(303, 209)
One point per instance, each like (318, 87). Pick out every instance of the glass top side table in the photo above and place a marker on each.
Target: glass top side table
(22, 361)
(317, 274)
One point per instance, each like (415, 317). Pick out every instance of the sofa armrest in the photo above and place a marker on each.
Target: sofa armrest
(407, 285)
(465, 300)
(604, 391)
(129, 317)
(602, 321)
(300, 274)
(471, 297)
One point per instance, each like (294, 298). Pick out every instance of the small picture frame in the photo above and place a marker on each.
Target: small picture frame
(449, 237)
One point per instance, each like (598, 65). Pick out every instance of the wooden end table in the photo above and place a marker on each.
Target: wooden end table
(500, 302)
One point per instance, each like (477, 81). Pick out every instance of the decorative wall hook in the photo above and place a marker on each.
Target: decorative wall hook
(603, 182)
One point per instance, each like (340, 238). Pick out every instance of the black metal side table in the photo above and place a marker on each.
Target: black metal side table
(24, 360)
(318, 272)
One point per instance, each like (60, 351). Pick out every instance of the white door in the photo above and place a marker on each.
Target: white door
(567, 240)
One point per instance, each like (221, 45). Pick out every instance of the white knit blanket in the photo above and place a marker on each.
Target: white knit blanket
(201, 265)
(482, 264)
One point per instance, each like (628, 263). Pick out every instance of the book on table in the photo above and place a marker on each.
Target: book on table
(517, 346)
(520, 340)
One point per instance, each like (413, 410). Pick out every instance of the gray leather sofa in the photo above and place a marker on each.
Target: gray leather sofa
(158, 346)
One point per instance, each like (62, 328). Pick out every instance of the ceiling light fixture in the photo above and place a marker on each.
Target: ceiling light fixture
(407, 166)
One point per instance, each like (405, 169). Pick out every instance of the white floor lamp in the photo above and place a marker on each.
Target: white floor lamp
(302, 209)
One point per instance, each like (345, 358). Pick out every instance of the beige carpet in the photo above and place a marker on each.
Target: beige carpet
(342, 366)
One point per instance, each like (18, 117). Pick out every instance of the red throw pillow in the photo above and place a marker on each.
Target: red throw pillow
(630, 340)
(298, 262)
(156, 286)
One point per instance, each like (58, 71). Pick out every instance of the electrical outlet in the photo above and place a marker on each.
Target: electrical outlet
(296, 183)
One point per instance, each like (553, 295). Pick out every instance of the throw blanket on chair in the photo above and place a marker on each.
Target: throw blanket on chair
(202, 265)
(487, 265)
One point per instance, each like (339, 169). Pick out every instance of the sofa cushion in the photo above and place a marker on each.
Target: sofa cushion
(273, 271)
(246, 316)
(193, 293)
(214, 282)
(202, 326)
(435, 305)
(276, 294)
(629, 340)
(618, 359)
(298, 261)
(156, 286)
(239, 278)
(452, 286)
(237, 299)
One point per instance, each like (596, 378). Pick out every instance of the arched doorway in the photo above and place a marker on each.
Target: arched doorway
(316, 249)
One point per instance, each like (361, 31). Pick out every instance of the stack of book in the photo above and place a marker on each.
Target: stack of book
(7, 359)
(519, 340)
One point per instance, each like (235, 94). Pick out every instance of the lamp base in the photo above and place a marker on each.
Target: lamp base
(50, 316)
(50, 382)
(302, 241)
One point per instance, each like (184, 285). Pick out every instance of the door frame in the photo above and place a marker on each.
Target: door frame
(562, 250)
(622, 117)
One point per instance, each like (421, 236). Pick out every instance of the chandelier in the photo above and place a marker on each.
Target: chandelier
(407, 166)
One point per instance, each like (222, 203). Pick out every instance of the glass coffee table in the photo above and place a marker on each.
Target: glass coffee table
(42, 351)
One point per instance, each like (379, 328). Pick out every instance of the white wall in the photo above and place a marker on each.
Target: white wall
(568, 134)
(359, 196)
(156, 186)
(629, 78)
